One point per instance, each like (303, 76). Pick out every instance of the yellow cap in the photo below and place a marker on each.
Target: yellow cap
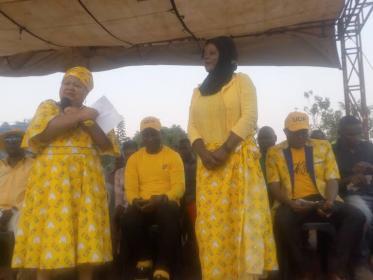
(297, 121)
(150, 122)
(13, 131)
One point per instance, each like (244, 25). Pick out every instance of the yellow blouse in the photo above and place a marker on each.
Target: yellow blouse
(233, 109)
(67, 142)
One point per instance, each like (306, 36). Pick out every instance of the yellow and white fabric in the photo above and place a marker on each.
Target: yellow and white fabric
(233, 226)
(64, 220)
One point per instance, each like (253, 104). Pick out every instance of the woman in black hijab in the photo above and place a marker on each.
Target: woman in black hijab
(234, 228)
(220, 68)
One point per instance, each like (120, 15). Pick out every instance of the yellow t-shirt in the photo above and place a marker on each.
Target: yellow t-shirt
(154, 174)
(13, 182)
(303, 185)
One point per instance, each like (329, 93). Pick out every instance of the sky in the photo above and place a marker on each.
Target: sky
(165, 91)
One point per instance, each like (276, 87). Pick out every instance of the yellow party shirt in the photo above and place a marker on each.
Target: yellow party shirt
(147, 174)
(13, 182)
(303, 185)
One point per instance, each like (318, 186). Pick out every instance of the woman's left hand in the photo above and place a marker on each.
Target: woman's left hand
(88, 113)
(221, 155)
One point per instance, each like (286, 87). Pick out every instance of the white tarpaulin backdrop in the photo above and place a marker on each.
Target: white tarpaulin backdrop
(45, 36)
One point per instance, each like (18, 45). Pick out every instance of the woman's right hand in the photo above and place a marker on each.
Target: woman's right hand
(208, 160)
(87, 113)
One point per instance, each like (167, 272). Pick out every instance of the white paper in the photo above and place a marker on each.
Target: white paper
(108, 117)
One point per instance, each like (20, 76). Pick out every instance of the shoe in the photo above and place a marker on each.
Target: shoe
(160, 277)
(143, 273)
(160, 274)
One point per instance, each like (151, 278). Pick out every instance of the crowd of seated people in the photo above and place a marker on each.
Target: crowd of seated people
(308, 179)
(216, 207)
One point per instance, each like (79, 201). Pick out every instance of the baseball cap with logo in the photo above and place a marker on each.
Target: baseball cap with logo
(150, 122)
(297, 121)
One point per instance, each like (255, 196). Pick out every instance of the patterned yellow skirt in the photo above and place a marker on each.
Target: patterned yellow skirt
(234, 227)
(64, 221)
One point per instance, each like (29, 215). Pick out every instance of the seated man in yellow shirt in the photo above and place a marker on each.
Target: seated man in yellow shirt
(154, 185)
(302, 175)
(14, 171)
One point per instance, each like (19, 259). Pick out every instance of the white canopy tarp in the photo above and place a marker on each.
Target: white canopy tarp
(45, 36)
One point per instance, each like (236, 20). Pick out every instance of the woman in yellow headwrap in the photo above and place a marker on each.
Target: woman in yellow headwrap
(64, 220)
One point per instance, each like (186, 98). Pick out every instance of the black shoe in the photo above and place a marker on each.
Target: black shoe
(143, 273)
(159, 277)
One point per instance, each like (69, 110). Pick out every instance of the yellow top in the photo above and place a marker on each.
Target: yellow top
(13, 182)
(69, 142)
(324, 164)
(232, 109)
(154, 174)
(303, 185)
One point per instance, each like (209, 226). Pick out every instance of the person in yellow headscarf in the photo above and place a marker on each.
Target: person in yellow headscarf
(64, 222)
(233, 226)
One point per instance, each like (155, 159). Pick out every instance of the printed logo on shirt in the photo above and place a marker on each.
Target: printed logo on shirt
(300, 168)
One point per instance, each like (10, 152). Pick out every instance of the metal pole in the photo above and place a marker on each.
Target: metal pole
(341, 32)
(363, 100)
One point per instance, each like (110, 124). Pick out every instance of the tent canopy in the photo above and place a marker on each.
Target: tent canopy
(41, 37)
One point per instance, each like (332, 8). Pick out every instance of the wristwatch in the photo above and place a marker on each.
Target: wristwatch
(88, 123)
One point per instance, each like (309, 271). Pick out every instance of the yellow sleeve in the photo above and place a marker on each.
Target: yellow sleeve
(131, 180)
(177, 178)
(272, 173)
(193, 133)
(331, 167)
(46, 111)
(247, 123)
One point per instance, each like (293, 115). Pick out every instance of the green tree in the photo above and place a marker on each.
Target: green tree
(325, 118)
(322, 115)
(120, 131)
(170, 136)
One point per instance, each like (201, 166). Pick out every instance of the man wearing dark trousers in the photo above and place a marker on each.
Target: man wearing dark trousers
(355, 161)
(302, 174)
(154, 185)
(14, 171)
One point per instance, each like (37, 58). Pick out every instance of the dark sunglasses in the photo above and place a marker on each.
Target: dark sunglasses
(12, 139)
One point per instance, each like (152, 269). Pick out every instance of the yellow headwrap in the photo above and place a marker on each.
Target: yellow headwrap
(83, 74)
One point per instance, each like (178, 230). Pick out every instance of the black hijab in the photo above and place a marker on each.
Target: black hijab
(224, 69)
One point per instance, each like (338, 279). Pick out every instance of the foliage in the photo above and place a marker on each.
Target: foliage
(108, 163)
(325, 118)
(121, 133)
(322, 115)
